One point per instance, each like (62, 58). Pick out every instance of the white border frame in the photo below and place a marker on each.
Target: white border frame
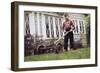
(34, 64)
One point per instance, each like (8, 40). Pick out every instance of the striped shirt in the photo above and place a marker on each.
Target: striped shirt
(67, 25)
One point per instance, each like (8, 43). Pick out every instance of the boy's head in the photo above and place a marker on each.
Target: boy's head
(66, 17)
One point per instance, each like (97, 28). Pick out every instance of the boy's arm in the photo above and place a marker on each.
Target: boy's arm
(63, 26)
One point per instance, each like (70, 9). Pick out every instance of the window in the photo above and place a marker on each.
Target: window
(47, 26)
(76, 26)
(27, 28)
(52, 28)
(80, 26)
(56, 23)
(40, 22)
(36, 29)
(83, 26)
(60, 23)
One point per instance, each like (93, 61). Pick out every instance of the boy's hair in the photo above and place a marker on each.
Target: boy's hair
(66, 15)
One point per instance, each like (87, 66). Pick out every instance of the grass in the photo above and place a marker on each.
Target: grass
(81, 53)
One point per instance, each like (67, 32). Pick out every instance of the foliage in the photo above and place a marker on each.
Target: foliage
(87, 19)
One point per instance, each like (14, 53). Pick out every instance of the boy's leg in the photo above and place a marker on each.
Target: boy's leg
(66, 42)
(71, 40)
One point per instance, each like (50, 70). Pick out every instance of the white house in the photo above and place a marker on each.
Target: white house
(47, 25)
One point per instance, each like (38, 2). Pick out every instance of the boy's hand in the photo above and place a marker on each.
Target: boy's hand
(71, 30)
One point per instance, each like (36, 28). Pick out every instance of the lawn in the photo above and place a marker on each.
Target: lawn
(81, 53)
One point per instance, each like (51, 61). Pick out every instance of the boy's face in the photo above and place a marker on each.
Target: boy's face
(66, 18)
